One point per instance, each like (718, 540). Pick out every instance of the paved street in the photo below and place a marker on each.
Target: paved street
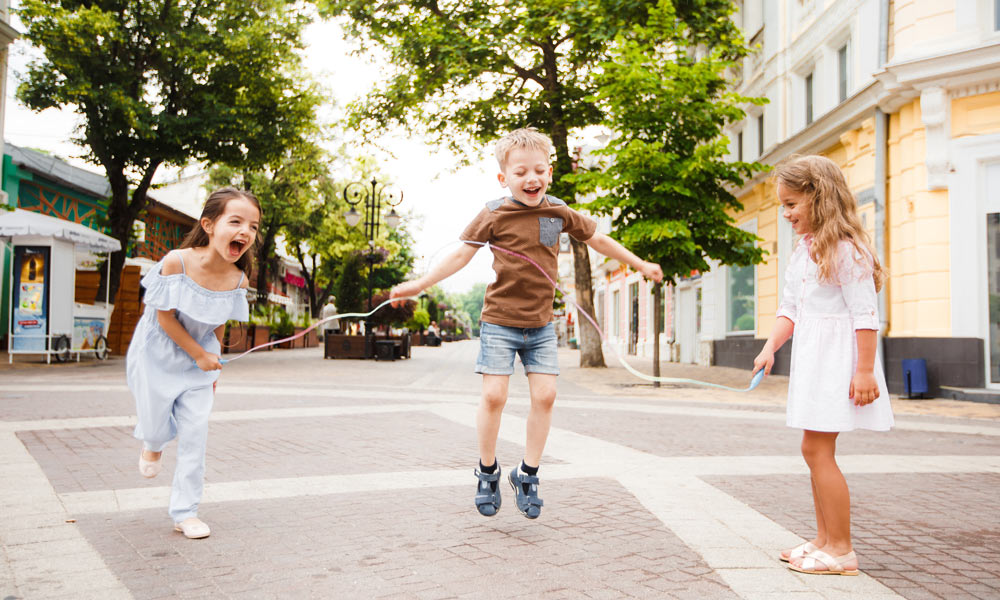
(353, 479)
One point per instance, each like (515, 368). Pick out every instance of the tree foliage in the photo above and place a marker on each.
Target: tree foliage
(350, 286)
(469, 71)
(471, 302)
(167, 81)
(285, 188)
(666, 178)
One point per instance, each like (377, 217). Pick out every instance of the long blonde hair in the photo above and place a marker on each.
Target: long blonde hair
(833, 213)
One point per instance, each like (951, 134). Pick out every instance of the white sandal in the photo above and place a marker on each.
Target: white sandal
(834, 566)
(798, 551)
(150, 468)
(193, 528)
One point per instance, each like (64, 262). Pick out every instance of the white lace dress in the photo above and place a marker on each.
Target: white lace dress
(824, 344)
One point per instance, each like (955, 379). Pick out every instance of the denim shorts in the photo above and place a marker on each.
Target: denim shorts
(498, 344)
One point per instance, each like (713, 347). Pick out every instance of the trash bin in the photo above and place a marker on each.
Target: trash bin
(915, 376)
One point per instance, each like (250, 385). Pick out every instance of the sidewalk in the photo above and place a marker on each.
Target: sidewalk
(353, 479)
(616, 381)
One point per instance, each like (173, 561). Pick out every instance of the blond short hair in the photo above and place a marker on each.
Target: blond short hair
(526, 137)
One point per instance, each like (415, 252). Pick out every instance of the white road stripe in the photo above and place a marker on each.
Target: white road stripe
(58, 562)
(423, 398)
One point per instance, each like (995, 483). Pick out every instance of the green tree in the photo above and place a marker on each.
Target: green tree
(350, 288)
(285, 188)
(162, 82)
(477, 69)
(471, 302)
(666, 179)
(319, 238)
(400, 262)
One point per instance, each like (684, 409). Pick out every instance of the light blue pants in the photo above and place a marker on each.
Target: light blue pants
(186, 418)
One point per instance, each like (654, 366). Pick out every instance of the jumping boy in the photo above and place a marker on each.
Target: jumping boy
(517, 310)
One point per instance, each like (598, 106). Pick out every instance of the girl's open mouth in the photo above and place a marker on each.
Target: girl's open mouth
(236, 248)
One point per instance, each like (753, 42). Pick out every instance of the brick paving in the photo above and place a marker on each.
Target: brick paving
(616, 523)
(77, 460)
(924, 536)
(678, 435)
(597, 543)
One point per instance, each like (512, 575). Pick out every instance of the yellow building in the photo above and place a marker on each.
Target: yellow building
(905, 96)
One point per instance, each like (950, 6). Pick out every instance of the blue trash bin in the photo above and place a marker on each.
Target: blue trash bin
(915, 376)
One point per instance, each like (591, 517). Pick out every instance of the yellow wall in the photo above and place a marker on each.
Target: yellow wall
(918, 241)
(855, 154)
(761, 203)
(975, 115)
(915, 22)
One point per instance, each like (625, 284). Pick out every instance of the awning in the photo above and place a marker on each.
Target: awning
(20, 222)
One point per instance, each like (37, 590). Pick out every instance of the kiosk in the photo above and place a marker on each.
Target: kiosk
(43, 315)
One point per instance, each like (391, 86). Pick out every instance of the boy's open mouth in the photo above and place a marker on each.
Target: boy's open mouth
(532, 191)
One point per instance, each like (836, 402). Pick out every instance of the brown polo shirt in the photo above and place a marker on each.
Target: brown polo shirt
(522, 296)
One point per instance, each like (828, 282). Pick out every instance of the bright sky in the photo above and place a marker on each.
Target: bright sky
(440, 199)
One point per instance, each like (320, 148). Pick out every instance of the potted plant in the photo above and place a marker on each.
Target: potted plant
(258, 331)
(282, 327)
(417, 323)
(237, 337)
(311, 339)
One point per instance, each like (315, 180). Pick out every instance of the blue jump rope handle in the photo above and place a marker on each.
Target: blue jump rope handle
(222, 361)
(757, 379)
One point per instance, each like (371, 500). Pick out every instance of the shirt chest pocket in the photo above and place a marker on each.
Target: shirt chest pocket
(549, 229)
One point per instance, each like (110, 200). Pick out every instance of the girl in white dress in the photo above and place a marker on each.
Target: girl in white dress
(173, 360)
(836, 383)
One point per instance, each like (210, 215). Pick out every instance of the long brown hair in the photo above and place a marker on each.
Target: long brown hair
(215, 206)
(833, 213)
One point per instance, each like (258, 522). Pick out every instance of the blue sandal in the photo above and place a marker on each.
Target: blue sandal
(488, 499)
(528, 502)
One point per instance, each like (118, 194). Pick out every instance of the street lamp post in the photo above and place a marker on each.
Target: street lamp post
(373, 198)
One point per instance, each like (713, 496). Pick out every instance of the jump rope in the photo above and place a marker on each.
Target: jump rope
(754, 382)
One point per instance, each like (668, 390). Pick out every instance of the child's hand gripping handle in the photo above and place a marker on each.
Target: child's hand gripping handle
(209, 362)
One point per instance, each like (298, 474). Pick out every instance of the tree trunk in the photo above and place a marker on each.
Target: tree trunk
(122, 213)
(591, 354)
(309, 276)
(657, 327)
(264, 252)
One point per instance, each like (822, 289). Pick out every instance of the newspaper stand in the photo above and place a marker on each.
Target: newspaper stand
(42, 314)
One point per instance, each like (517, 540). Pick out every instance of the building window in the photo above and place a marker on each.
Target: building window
(616, 312)
(809, 98)
(633, 317)
(996, 15)
(697, 310)
(760, 135)
(739, 142)
(740, 293)
(661, 310)
(842, 72)
(600, 309)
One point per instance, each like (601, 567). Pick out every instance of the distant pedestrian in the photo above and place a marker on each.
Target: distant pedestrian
(836, 382)
(517, 313)
(173, 360)
(330, 309)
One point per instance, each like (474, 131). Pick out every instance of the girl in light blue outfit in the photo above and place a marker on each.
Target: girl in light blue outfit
(173, 360)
